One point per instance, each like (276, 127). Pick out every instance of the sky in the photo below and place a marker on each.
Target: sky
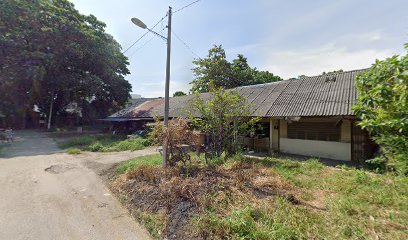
(286, 37)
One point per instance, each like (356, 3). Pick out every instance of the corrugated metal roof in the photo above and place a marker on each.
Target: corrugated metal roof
(135, 103)
(325, 95)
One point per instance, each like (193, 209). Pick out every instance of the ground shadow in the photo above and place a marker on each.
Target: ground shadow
(29, 143)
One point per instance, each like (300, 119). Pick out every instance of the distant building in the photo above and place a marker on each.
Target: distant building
(135, 96)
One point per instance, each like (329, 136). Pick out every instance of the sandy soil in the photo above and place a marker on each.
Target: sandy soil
(48, 194)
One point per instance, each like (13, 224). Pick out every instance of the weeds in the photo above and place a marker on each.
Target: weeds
(106, 143)
(149, 160)
(74, 151)
(270, 198)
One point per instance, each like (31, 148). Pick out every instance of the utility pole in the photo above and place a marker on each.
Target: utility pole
(140, 24)
(50, 113)
(167, 88)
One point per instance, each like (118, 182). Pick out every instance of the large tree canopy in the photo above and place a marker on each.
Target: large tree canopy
(383, 108)
(52, 53)
(216, 71)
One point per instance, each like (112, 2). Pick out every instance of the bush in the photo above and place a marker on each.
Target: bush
(74, 151)
(219, 121)
(150, 160)
(106, 143)
(78, 142)
(96, 147)
(128, 145)
(382, 107)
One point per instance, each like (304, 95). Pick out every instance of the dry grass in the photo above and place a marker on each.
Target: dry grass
(266, 199)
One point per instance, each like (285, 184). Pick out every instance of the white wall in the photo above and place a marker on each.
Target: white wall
(323, 149)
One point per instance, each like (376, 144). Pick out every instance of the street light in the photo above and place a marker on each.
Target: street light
(140, 24)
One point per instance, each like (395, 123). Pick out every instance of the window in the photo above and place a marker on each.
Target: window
(314, 131)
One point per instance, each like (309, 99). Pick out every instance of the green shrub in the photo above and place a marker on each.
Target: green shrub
(78, 142)
(106, 143)
(313, 165)
(151, 160)
(74, 151)
(96, 147)
(128, 145)
(382, 107)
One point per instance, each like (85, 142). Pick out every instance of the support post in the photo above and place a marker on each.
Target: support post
(167, 88)
(50, 114)
(270, 135)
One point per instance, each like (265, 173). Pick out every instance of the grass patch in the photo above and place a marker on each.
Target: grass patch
(269, 198)
(105, 143)
(149, 160)
(74, 151)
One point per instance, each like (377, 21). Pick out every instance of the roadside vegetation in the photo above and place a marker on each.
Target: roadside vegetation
(149, 160)
(271, 198)
(105, 143)
(382, 107)
(74, 151)
(221, 195)
(68, 53)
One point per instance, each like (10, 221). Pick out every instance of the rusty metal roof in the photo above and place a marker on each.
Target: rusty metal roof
(325, 95)
(134, 105)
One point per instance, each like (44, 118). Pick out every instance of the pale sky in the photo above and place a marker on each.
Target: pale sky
(286, 37)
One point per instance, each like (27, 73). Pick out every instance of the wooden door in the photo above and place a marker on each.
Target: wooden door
(361, 145)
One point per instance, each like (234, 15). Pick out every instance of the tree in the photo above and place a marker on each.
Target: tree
(241, 73)
(260, 77)
(223, 117)
(53, 55)
(382, 107)
(179, 94)
(217, 71)
(334, 71)
(215, 68)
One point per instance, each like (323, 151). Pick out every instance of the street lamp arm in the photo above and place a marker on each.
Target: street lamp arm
(141, 24)
(157, 34)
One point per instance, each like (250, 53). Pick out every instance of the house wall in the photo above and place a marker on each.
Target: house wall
(324, 149)
(340, 150)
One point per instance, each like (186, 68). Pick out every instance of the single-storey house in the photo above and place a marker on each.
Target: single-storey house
(309, 116)
(131, 118)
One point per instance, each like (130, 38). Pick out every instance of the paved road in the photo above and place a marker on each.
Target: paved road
(48, 194)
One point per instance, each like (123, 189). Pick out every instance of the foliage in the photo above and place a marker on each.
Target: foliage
(127, 145)
(174, 136)
(269, 198)
(179, 94)
(215, 69)
(74, 151)
(223, 117)
(52, 53)
(382, 107)
(332, 72)
(149, 160)
(106, 143)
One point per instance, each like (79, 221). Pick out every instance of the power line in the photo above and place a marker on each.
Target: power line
(185, 44)
(127, 49)
(144, 44)
(188, 5)
(144, 34)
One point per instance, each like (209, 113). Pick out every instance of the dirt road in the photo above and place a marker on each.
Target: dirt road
(48, 194)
